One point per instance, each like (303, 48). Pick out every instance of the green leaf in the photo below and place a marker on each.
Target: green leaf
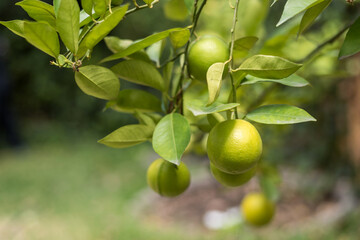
(67, 24)
(128, 136)
(294, 7)
(214, 77)
(145, 119)
(171, 137)
(100, 7)
(16, 26)
(179, 38)
(215, 118)
(197, 108)
(243, 45)
(39, 11)
(56, 4)
(131, 100)
(176, 10)
(311, 14)
(98, 82)
(155, 51)
(139, 72)
(272, 67)
(116, 44)
(102, 29)
(42, 36)
(141, 44)
(279, 114)
(351, 44)
(87, 5)
(291, 81)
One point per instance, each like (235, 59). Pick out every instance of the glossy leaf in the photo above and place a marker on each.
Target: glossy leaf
(131, 100)
(139, 72)
(294, 7)
(43, 37)
(141, 44)
(279, 114)
(214, 77)
(351, 44)
(98, 82)
(179, 38)
(67, 24)
(102, 29)
(292, 81)
(272, 67)
(16, 26)
(243, 45)
(87, 5)
(171, 137)
(128, 136)
(38, 10)
(311, 14)
(116, 45)
(197, 108)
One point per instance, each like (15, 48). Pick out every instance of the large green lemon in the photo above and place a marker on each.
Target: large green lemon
(232, 180)
(256, 209)
(167, 179)
(234, 146)
(203, 53)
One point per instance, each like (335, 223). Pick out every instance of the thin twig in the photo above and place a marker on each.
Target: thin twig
(139, 7)
(171, 59)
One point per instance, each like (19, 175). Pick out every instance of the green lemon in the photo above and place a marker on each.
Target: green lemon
(167, 179)
(232, 180)
(257, 210)
(234, 146)
(203, 53)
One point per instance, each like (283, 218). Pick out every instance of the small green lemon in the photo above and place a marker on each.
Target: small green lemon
(232, 180)
(257, 209)
(203, 53)
(234, 146)
(167, 179)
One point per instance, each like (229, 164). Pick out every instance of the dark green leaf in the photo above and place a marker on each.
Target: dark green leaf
(131, 100)
(128, 136)
(67, 24)
(43, 37)
(98, 82)
(351, 44)
(171, 137)
(214, 77)
(141, 44)
(272, 67)
(292, 81)
(311, 14)
(39, 11)
(279, 114)
(102, 29)
(139, 72)
(198, 108)
(16, 26)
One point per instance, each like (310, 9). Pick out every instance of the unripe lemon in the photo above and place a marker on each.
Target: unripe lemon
(232, 180)
(234, 146)
(203, 53)
(167, 179)
(257, 210)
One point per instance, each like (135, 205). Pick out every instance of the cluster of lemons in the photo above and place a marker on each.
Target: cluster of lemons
(234, 147)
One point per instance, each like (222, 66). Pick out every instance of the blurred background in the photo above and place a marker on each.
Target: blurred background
(57, 182)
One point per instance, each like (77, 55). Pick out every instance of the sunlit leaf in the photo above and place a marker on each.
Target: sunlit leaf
(279, 114)
(198, 108)
(38, 10)
(292, 81)
(128, 136)
(214, 77)
(179, 38)
(171, 137)
(100, 7)
(16, 26)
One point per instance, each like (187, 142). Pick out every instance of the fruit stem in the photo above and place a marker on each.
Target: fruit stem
(231, 62)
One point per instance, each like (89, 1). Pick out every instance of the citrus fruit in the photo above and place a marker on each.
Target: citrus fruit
(232, 180)
(257, 210)
(204, 52)
(168, 179)
(234, 146)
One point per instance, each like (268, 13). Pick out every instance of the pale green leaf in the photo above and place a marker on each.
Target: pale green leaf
(38, 10)
(214, 77)
(100, 7)
(42, 36)
(243, 45)
(128, 136)
(292, 81)
(179, 38)
(98, 82)
(67, 24)
(145, 119)
(198, 108)
(155, 51)
(279, 114)
(272, 67)
(87, 5)
(16, 26)
(351, 44)
(171, 137)
(116, 45)
(139, 72)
